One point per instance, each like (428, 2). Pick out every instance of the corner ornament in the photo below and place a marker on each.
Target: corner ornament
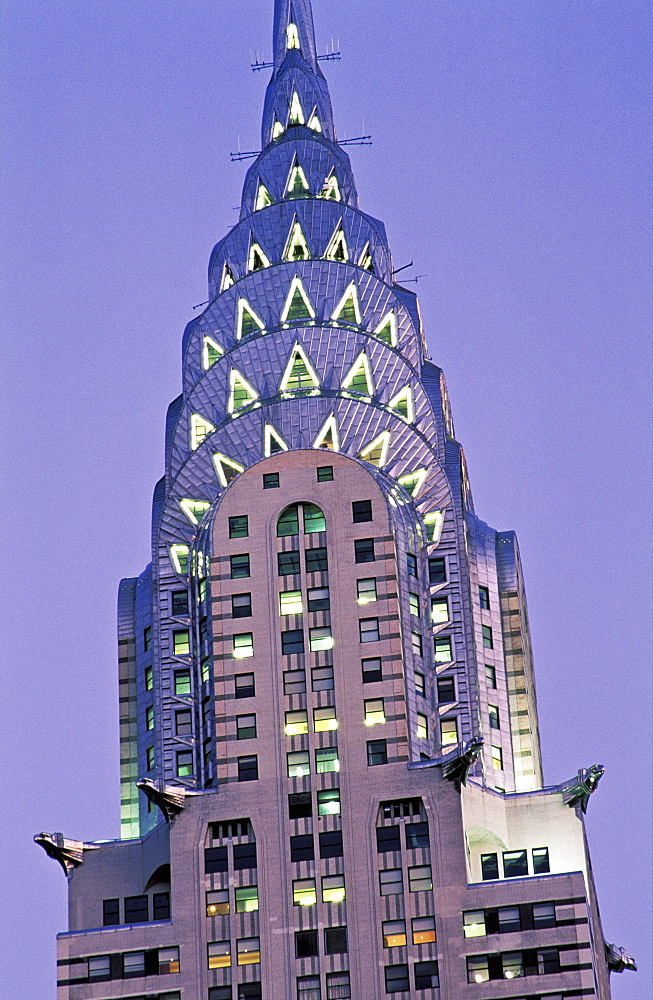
(69, 853)
(168, 798)
(577, 791)
(618, 959)
(457, 765)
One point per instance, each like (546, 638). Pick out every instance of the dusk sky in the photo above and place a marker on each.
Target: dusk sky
(510, 164)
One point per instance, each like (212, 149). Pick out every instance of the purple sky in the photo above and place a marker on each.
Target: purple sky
(509, 162)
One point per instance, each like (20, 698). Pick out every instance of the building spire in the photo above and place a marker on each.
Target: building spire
(293, 29)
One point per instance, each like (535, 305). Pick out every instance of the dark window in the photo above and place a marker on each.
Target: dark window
(491, 675)
(288, 521)
(270, 480)
(377, 752)
(300, 805)
(548, 961)
(288, 563)
(306, 944)
(302, 848)
(136, 909)
(515, 864)
(364, 550)
(420, 684)
(488, 641)
(544, 915)
(147, 638)
(509, 919)
(161, 906)
(245, 727)
(446, 689)
(316, 560)
(412, 564)
(220, 993)
(294, 682)
(541, 860)
(388, 838)
(437, 571)
(249, 991)
(215, 860)
(322, 678)
(184, 723)
(292, 641)
(489, 866)
(493, 713)
(110, 912)
(331, 844)
(361, 511)
(180, 602)
(133, 964)
(204, 628)
(244, 856)
(335, 940)
(239, 566)
(325, 474)
(426, 975)
(417, 835)
(396, 979)
(245, 686)
(238, 527)
(248, 768)
(372, 670)
(338, 986)
(241, 605)
(484, 598)
(318, 599)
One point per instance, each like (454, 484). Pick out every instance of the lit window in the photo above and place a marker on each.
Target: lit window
(328, 439)
(376, 452)
(509, 919)
(296, 111)
(298, 764)
(149, 679)
(296, 723)
(439, 610)
(247, 321)
(248, 768)
(322, 678)
(474, 923)
(292, 37)
(477, 969)
(396, 979)
(364, 550)
(217, 902)
(414, 481)
(497, 758)
(434, 522)
(243, 645)
(394, 933)
(488, 640)
(241, 605)
(416, 642)
(290, 602)
(374, 712)
(241, 394)
(247, 899)
(515, 864)
(348, 311)
(294, 682)
(484, 598)
(320, 638)
(248, 951)
(181, 643)
(442, 649)
(369, 629)
(318, 599)
(219, 954)
(541, 860)
(372, 670)
(423, 929)
(184, 764)
(324, 719)
(331, 189)
(446, 689)
(263, 198)
(257, 259)
(387, 328)
(493, 713)
(238, 527)
(314, 123)
(437, 571)
(449, 732)
(304, 892)
(179, 558)
(359, 378)
(361, 511)
(244, 686)
(326, 760)
(337, 248)
(333, 888)
(391, 882)
(296, 247)
(292, 641)
(402, 404)
(277, 130)
(182, 682)
(226, 469)
(512, 964)
(297, 185)
(328, 802)
(419, 879)
(491, 675)
(149, 718)
(489, 867)
(366, 591)
(377, 752)
(299, 374)
(413, 604)
(245, 727)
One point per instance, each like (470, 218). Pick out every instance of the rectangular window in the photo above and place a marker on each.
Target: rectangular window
(217, 901)
(302, 848)
(292, 641)
(149, 756)
(328, 802)
(474, 923)
(318, 599)
(420, 683)
(541, 860)
(493, 714)
(149, 679)
(335, 941)
(308, 988)
(238, 527)
(204, 629)
(270, 480)
(369, 629)
(243, 645)
(147, 638)
(413, 604)
(325, 474)
(361, 511)
(326, 760)
(333, 888)
(249, 991)
(246, 899)
(294, 682)
(548, 961)
(239, 566)
(394, 933)
(300, 805)
(544, 915)
(446, 689)
(133, 964)
(245, 727)
(290, 602)
(161, 906)
(509, 919)
(179, 602)
(219, 953)
(364, 550)
(248, 951)
(324, 719)
(439, 610)
(245, 686)
(316, 560)
(320, 638)
(417, 835)
(396, 979)
(184, 723)
(419, 878)
(488, 640)
(244, 856)
(388, 839)
(288, 563)
(374, 712)
(437, 571)
(497, 758)
(515, 864)
(423, 929)
(442, 649)
(416, 641)
(426, 975)
(477, 969)
(99, 968)
(512, 965)
(248, 768)
(181, 642)
(241, 605)
(322, 678)
(205, 668)
(338, 986)
(331, 844)
(484, 598)
(184, 763)
(391, 882)
(491, 675)
(366, 591)
(215, 860)
(306, 944)
(216, 993)
(449, 732)
(299, 764)
(110, 912)
(372, 670)
(296, 723)
(489, 867)
(304, 892)
(411, 562)
(421, 727)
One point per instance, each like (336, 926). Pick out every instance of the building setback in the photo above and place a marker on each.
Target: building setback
(330, 762)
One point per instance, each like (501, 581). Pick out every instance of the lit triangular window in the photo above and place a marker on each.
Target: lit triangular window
(403, 404)
(227, 279)
(359, 376)
(328, 437)
(337, 248)
(296, 247)
(292, 37)
(314, 123)
(297, 186)
(387, 329)
(376, 452)
(263, 197)
(257, 259)
(247, 322)
(199, 429)
(211, 352)
(414, 481)
(366, 260)
(179, 559)
(194, 509)
(298, 305)
(273, 443)
(331, 188)
(348, 310)
(296, 116)
(434, 522)
(241, 393)
(226, 468)
(277, 129)
(299, 376)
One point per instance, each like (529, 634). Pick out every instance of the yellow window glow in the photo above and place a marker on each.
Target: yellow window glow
(439, 610)
(290, 602)
(304, 892)
(200, 428)
(248, 951)
(243, 646)
(374, 712)
(394, 933)
(422, 727)
(217, 902)
(296, 723)
(211, 352)
(474, 923)
(219, 954)
(324, 719)
(333, 888)
(292, 37)
(423, 930)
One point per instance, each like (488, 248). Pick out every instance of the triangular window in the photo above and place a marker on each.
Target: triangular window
(414, 481)
(376, 452)
(257, 259)
(226, 468)
(199, 429)
(328, 437)
(241, 393)
(211, 352)
(299, 376)
(247, 321)
(273, 443)
(179, 559)
(359, 376)
(296, 247)
(331, 188)
(227, 278)
(348, 309)
(296, 116)
(277, 129)
(298, 305)
(263, 197)
(314, 123)
(194, 509)
(402, 403)
(337, 248)
(434, 522)
(292, 37)
(297, 186)
(366, 260)
(387, 329)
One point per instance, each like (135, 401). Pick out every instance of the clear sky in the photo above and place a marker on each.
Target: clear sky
(510, 164)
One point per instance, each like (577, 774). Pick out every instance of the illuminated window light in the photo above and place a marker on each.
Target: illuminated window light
(296, 247)
(337, 248)
(194, 509)
(247, 322)
(314, 123)
(273, 443)
(304, 892)
(374, 712)
(296, 116)
(366, 260)
(243, 646)
(348, 309)
(328, 437)
(211, 352)
(320, 638)
(263, 198)
(257, 259)
(277, 129)
(241, 393)
(414, 481)
(227, 278)
(422, 727)
(387, 329)
(297, 305)
(296, 723)
(179, 559)
(299, 375)
(324, 720)
(199, 430)
(297, 185)
(434, 522)
(292, 37)
(290, 602)
(402, 403)
(331, 189)
(333, 888)
(359, 377)
(226, 468)
(376, 452)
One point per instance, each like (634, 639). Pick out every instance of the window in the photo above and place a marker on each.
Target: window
(296, 723)
(181, 642)
(484, 598)
(497, 758)
(133, 964)
(413, 604)
(509, 919)
(302, 848)
(218, 993)
(239, 566)
(304, 892)
(416, 641)
(179, 599)
(477, 969)
(338, 986)
(184, 763)
(421, 727)
(149, 679)
(243, 645)
(364, 550)
(99, 968)
(184, 723)
(396, 979)
(335, 941)
(548, 961)
(324, 719)
(322, 678)
(442, 649)
(512, 964)
(249, 991)
(320, 638)
(426, 975)
(439, 610)
(168, 960)
(420, 683)
(423, 929)
(374, 712)
(136, 909)
(294, 682)
(515, 864)
(394, 933)
(369, 629)
(333, 888)
(318, 599)
(308, 988)
(306, 944)
(149, 757)
(217, 901)
(288, 563)
(417, 835)
(244, 856)
(474, 923)
(387, 839)
(147, 638)
(361, 511)
(248, 768)
(372, 670)
(238, 527)
(270, 480)
(544, 915)
(290, 602)
(490, 675)
(437, 571)
(411, 561)
(446, 689)
(300, 805)
(326, 760)
(328, 802)
(246, 899)
(316, 560)
(248, 951)
(299, 764)
(541, 860)
(245, 686)
(289, 522)
(493, 713)
(110, 912)
(366, 591)
(325, 474)
(241, 605)
(245, 727)
(489, 867)
(215, 860)
(419, 878)
(292, 641)
(331, 844)
(488, 641)
(391, 882)
(449, 732)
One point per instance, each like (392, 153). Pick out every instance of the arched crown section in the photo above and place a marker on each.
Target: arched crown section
(300, 518)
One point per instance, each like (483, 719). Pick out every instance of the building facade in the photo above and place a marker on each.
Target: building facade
(330, 763)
